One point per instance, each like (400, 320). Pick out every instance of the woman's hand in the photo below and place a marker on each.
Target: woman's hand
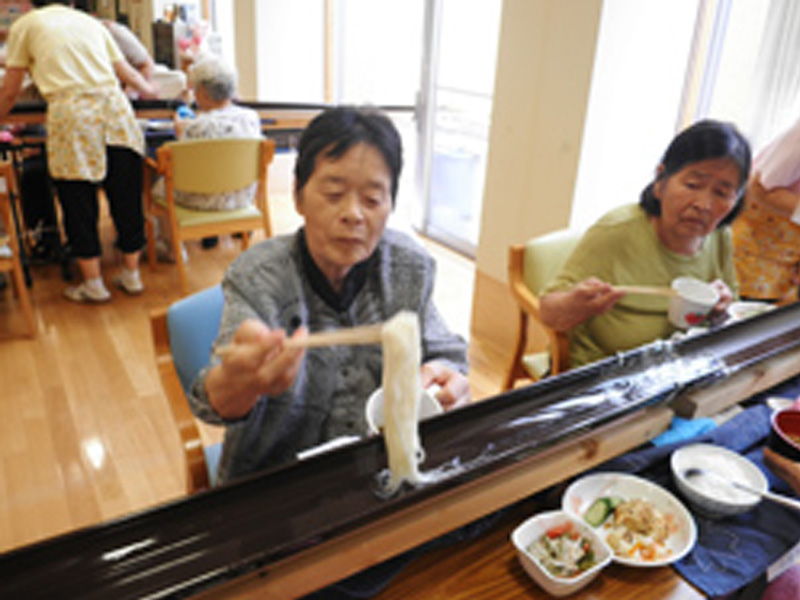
(454, 386)
(566, 309)
(725, 296)
(783, 467)
(255, 363)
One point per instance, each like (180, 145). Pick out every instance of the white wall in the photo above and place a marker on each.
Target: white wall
(379, 44)
(544, 66)
(289, 50)
(733, 90)
(639, 70)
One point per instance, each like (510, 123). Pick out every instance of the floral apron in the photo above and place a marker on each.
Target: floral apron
(80, 124)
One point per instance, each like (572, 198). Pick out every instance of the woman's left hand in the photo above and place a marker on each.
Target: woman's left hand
(455, 386)
(725, 296)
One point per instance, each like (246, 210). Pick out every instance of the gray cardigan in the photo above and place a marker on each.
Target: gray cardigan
(269, 282)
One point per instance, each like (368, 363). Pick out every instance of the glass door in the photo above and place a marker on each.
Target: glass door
(454, 116)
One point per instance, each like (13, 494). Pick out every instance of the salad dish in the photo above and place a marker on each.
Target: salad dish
(561, 553)
(642, 523)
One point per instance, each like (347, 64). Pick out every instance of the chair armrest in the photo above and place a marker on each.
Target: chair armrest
(197, 471)
(530, 304)
(516, 281)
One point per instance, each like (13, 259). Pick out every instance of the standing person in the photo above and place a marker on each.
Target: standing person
(766, 236)
(679, 228)
(93, 137)
(341, 269)
(134, 51)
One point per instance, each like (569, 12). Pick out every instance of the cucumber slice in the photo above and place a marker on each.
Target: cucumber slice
(614, 501)
(598, 512)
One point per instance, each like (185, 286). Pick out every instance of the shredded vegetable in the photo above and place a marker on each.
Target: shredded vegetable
(564, 551)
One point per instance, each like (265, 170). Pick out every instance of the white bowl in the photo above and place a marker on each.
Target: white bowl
(709, 495)
(534, 528)
(692, 302)
(429, 407)
(746, 309)
(580, 495)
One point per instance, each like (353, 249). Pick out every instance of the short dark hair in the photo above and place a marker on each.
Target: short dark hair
(41, 3)
(336, 130)
(704, 140)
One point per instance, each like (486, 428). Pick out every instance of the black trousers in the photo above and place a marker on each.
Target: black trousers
(123, 189)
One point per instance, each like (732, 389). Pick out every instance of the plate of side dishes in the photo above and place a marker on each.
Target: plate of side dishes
(642, 523)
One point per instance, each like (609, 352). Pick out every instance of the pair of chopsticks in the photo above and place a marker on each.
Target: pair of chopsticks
(646, 290)
(365, 334)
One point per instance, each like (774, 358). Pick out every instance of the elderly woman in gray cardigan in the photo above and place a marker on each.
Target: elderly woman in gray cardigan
(342, 269)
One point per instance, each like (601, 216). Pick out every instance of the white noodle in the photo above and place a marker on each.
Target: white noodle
(401, 396)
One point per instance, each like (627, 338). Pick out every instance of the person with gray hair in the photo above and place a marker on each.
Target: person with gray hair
(213, 83)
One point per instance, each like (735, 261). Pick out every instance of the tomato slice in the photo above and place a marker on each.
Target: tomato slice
(559, 530)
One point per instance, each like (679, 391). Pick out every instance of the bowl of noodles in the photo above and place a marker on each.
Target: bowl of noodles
(428, 407)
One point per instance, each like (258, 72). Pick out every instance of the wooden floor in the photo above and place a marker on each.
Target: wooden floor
(85, 433)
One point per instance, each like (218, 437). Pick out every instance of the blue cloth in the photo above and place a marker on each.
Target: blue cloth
(734, 551)
(681, 429)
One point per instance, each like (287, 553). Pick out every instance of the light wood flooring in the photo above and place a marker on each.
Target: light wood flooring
(85, 432)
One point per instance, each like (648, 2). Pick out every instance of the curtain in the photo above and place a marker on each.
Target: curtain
(775, 101)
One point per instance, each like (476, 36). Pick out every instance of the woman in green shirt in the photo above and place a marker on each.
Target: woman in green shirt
(679, 228)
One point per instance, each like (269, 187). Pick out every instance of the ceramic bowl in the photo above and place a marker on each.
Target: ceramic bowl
(739, 311)
(429, 407)
(710, 495)
(534, 528)
(784, 435)
(582, 493)
(692, 302)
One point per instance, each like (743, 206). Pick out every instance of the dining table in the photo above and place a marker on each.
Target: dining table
(311, 523)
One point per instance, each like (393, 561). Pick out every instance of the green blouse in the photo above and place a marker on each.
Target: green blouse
(623, 248)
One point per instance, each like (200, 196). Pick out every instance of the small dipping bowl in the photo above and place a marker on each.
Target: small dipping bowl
(429, 407)
(532, 529)
(692, 302)
(709, 495)
(784, 435)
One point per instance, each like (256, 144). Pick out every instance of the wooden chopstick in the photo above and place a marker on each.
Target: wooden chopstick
(365, 334)
(646, 290)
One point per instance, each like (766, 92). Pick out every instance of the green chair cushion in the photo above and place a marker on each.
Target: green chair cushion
(188, 217)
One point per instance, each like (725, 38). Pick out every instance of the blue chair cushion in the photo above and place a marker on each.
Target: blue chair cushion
(193, 324)
(213, 453)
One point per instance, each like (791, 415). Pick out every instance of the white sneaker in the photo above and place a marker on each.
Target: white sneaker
(87, 293)
(129, 282)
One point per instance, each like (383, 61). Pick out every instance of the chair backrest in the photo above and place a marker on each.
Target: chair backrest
(213, 166)
(182, 338)
(193, 324)
(10, 245)
(545, 255)
(531, 267)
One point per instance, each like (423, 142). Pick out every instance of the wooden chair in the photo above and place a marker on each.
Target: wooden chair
(9, 245)
(207, 166)
(183, 335)
(531, 266)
